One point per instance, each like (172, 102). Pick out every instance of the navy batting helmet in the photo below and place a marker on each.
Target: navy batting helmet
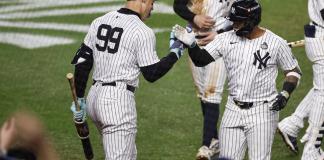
(248, 12)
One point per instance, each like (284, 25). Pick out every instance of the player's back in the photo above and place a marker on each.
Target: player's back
(115, 40)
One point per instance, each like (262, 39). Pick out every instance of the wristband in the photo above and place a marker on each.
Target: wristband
(289, 87)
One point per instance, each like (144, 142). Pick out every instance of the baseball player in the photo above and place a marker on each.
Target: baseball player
(208, 19)
(312, 105)
(252, 55)
(119, 46)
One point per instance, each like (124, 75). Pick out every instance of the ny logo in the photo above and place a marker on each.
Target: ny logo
(262, 60)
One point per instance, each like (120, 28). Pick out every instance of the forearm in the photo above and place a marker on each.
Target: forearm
(155, 71)
(81, 74)
(200, 57)
(180, 7)
(291, 80)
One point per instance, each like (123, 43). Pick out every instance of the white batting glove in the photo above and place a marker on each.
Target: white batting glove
(184, 35)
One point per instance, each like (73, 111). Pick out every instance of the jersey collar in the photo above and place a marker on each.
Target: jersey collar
(128, 11)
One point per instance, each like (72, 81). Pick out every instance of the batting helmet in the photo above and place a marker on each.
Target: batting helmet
(247, 11)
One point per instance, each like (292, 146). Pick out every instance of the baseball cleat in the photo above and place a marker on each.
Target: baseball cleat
(214, 147)
(203, 153)
(290, 141)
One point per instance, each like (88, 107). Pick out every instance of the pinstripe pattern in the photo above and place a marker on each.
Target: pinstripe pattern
(312, 105)
(209, 80)
(252, 68)
(251, 128)
(136, 49)
(121, 44)
(113, 111)
(247, 82)
(219, 10)
(314, 8)
(292, 124)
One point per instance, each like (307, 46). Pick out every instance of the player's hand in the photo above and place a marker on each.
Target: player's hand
(280, 101)
(79, 116)
(203, 21)
(208, 37)
(8, 134)
(176, 46)
(185, 35)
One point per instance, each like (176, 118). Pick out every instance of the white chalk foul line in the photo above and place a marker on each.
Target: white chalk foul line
(59, 26)
(31, 41)
(158, 8)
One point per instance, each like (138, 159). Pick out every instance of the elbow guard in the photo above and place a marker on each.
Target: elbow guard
(83, 55)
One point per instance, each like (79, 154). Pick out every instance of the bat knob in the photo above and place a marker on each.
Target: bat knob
(69, 76)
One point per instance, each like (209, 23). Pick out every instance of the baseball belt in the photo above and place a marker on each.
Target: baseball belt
(245, 105)
(128, 87)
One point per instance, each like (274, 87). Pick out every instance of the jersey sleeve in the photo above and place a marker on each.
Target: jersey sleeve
(214, 48)
(146, 52)
(285, 58)
(89, 39)
(321, 4)
(180, 7)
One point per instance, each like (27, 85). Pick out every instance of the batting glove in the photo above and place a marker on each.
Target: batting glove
(280, 101)
(185, 35)
(79, 116)
(176, 46)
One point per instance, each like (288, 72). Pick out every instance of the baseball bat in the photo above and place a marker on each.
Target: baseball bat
(81, 126)
(299, 43)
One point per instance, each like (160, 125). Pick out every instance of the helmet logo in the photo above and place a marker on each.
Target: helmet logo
(233, 10)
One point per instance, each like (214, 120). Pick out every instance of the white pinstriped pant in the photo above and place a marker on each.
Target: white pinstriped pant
(113, 111)
(251, 129)
(209, 80)
(312, 106)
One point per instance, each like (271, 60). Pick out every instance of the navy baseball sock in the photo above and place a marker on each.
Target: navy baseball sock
(211, 114)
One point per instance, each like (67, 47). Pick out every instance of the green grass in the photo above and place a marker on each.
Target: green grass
(169, 115)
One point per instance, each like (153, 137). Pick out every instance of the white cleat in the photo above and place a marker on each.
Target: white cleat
(214, 147)
(204, 153)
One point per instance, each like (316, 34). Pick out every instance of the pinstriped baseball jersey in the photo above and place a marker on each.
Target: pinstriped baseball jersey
(252, 64)
(314, 8)
(312, 104)
(218, 9)
(121, 44)
(210, 80)
(123, 49)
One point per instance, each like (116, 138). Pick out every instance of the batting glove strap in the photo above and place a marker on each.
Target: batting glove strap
(285, 94)
(176, 46)
(79, 116)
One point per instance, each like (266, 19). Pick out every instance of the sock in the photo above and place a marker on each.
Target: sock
(211, 114)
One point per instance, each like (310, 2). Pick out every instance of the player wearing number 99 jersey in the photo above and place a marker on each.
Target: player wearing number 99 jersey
(119, 46)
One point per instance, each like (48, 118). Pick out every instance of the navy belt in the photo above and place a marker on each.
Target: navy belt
(245, 105)
(128, 87)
